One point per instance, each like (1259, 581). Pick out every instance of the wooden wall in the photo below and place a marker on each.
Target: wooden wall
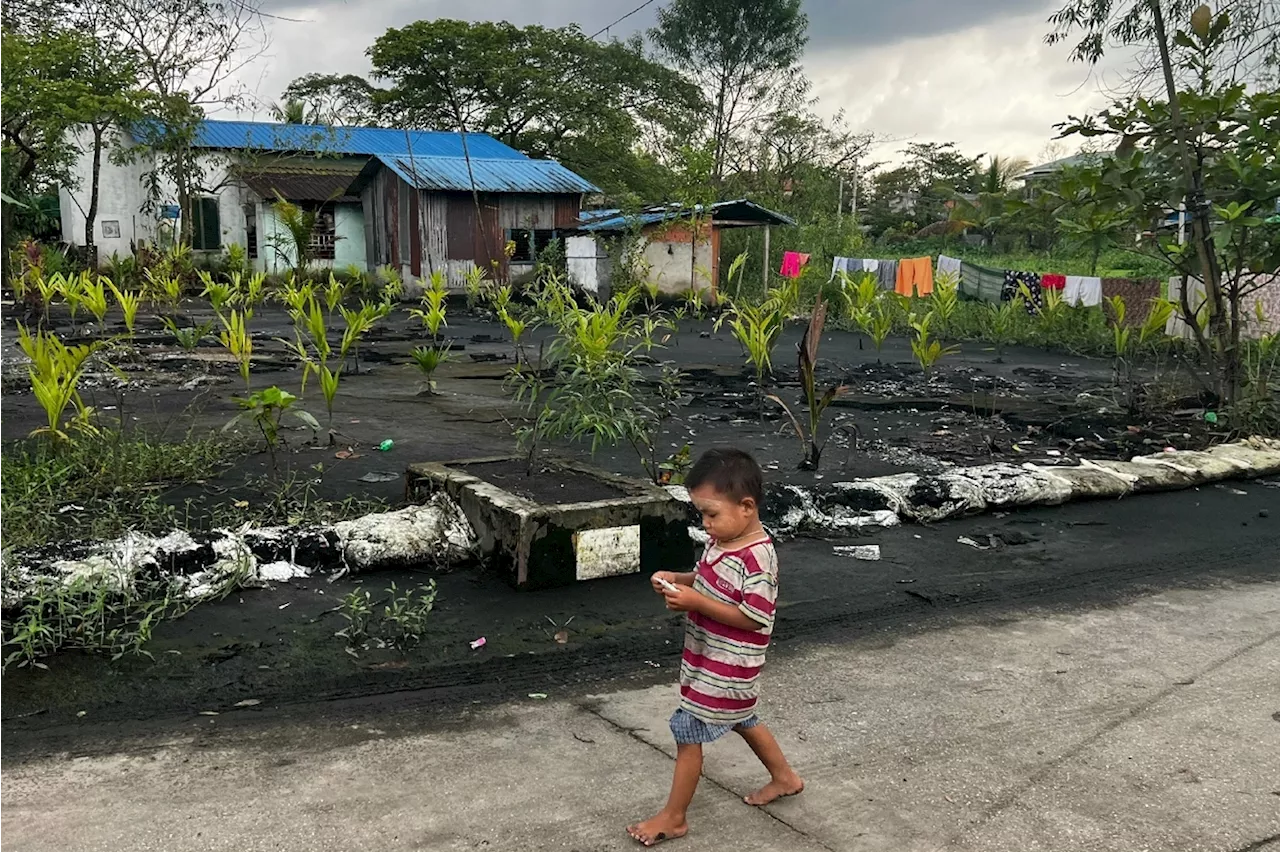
(454, 231)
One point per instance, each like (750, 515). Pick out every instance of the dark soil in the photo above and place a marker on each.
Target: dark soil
(278, 644)
(547, 485)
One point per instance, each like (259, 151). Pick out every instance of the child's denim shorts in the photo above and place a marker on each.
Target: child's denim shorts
(688, 729)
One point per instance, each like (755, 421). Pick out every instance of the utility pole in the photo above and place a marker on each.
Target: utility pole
(853, 206)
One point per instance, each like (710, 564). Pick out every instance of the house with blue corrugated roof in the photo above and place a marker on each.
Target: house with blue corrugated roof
(420, 201)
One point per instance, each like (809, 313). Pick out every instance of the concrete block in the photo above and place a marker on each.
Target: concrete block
(542, 545)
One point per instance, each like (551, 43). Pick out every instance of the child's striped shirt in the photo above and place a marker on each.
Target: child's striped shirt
(721, 664)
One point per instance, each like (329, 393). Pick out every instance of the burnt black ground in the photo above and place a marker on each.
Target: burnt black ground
(277, 645)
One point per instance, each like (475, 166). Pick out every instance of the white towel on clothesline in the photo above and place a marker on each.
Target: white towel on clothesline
(949, 264)
(1082, 290)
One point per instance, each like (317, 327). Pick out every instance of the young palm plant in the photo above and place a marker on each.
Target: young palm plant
(757, 328)
(56, 370)
(434, 299)
(235, 337)
(128, 302)
(928, 351)
(817, 404)
(428, 359)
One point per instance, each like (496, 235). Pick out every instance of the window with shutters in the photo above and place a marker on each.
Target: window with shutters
(206, 229)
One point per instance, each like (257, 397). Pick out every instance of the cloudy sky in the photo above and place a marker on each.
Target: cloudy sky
(971, 71)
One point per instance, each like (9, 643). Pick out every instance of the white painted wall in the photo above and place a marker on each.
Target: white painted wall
(275, 245)
(677, 267)
(122, 196)
(587, 264)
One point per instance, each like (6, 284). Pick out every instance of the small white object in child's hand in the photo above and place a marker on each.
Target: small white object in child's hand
(668, 585)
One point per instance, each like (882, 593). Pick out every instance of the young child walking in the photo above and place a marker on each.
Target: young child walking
(730, 601)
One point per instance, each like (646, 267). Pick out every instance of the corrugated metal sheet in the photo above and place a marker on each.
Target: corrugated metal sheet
(301, 186)
(267, 136)
(739, 210)
(489, 175)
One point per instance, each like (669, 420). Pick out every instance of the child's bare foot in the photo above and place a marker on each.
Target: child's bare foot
(788, 785)
(661, 827)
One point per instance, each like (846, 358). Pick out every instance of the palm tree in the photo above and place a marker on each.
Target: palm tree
(294, 111)
(1001, 173)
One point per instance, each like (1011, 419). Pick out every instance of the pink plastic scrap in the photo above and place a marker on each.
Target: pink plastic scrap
(478, 643)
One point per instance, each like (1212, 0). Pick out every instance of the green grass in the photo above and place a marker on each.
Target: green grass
(116, 480)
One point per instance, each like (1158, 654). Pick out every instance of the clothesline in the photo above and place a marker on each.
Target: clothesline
(915, 277)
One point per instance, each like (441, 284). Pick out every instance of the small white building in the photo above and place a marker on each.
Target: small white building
(419, 200)
(675, 248)
(234, 198)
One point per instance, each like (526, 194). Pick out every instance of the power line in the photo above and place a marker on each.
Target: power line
(623, 18)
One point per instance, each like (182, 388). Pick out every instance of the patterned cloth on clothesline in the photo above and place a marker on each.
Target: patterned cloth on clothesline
(1026, 285)
(1138, 294)
(1266, 298)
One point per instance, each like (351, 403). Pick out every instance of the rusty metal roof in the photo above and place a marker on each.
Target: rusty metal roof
(455, 174)
(299, 185)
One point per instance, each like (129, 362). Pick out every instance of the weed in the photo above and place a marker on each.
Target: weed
(107, 612)
(267, 408)
(405, 615)
(98, 489)
(357, 609)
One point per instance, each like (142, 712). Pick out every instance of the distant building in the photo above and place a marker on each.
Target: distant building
(1035, 178)
(677, 247)
(420, 201)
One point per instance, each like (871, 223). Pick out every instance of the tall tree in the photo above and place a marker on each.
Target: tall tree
(108, 98)
(337, 99)
(189, 53)
(742, 52)
(548, 92)
(1248, 52)
(37, 106)
(1210, 146)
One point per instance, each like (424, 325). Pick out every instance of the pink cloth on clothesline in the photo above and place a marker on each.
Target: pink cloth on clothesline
(792, 263)
(1050, 281)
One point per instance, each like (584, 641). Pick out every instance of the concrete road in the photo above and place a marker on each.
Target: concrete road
(1149, 726)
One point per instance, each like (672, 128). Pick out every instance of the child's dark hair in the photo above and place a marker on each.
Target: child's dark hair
(731, 472)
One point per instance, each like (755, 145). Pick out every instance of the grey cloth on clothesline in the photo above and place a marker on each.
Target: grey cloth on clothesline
(887, 274)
